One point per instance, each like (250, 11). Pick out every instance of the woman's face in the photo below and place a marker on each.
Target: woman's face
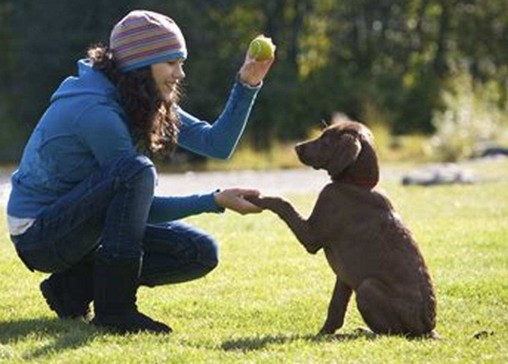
(167, 75)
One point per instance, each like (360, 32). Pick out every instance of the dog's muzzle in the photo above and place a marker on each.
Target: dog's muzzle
(300, 150)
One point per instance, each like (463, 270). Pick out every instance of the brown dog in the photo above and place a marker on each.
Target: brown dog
(366, 244)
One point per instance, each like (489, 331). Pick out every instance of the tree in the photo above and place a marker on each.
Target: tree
(375, 60)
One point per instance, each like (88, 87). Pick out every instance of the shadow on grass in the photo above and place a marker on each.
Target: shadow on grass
(261, 342)
(60, 334)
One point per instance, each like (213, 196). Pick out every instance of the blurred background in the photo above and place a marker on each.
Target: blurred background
(430, 77)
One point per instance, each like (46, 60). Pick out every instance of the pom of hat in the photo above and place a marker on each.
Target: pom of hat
(143, 38)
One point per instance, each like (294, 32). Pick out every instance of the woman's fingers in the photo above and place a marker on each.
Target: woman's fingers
(233, 199)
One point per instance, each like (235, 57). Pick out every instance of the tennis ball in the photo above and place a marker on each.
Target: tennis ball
(261, 48)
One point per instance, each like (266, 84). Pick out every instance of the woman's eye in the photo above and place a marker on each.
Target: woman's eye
(176, 61)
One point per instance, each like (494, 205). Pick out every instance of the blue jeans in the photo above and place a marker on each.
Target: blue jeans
(107, 214)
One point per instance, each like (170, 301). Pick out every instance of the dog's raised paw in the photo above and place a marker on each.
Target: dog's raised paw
(256, 200)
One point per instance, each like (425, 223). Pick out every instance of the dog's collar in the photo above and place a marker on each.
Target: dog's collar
(361, 181)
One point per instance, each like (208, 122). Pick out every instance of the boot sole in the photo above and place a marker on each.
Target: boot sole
(122, 330)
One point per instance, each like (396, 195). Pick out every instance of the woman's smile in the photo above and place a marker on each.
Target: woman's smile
(167, 76)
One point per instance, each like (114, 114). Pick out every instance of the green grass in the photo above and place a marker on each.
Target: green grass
(268, 298)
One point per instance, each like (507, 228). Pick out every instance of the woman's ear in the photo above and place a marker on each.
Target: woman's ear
(347, 148)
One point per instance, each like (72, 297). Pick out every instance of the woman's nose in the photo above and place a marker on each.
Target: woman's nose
(180, 74)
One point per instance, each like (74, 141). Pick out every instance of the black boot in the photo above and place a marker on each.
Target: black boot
(70, 292)
(116, 284)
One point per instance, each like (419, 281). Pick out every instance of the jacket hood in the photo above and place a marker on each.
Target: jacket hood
(88, 82)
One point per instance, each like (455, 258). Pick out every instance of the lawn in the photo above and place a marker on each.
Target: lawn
(268, 297)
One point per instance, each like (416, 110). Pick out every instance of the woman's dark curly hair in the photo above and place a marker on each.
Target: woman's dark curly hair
(154, 121)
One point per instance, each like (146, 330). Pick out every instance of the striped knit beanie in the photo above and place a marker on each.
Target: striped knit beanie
(143, 38)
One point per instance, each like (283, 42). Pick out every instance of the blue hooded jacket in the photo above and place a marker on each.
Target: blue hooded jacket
(85, 128)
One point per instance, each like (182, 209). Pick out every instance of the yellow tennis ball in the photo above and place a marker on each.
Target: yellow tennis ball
(261, 48)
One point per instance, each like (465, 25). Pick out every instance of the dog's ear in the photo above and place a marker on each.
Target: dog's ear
(346, 151)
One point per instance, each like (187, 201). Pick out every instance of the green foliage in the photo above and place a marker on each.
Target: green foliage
(472, 117)
(331, 56)
(268, 297)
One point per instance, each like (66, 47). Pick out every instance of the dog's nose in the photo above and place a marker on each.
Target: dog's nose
(298, 149)
(300, 152)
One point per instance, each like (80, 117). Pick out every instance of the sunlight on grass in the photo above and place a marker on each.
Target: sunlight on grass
(268, 298)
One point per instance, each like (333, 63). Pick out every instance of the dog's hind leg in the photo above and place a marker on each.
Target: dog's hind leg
(377, 308)
(416, 320)
(337, 308)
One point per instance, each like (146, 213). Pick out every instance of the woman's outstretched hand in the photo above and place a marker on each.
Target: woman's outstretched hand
(233, 199)
(253, 72)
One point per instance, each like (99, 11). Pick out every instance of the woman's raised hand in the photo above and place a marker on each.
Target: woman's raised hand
(253, 72)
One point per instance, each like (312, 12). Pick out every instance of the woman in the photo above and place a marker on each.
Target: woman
(82, 205)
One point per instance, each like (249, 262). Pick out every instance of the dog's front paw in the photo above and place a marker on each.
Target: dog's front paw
(266, 202)
(256, 200)
(326, 330)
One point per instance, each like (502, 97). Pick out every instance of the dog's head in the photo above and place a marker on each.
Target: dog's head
(346, 151)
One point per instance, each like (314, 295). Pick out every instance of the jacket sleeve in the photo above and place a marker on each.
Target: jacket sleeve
(219, 139)
(102, 129)
(177, 207)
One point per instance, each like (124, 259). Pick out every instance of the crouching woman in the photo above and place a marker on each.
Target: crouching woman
(82, 205)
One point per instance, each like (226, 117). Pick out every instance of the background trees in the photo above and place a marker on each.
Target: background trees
(379, 61)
